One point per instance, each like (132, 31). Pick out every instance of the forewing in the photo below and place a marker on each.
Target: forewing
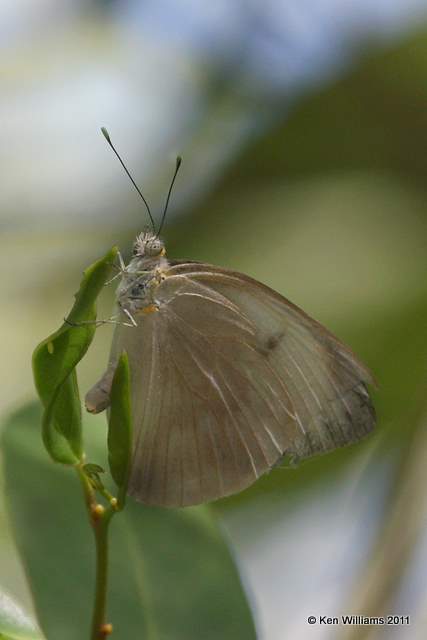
(227, 377)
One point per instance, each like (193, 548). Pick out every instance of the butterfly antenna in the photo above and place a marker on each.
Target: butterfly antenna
(178, 164)
(108, 139)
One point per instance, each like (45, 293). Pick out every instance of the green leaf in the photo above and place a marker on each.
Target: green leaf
(172, 576)
(92, 472)
(120, 425)
(54, 361)
(15, 623)
(61, 423)
(91, 468)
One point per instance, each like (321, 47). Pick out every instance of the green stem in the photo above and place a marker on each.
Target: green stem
(100, 529)
(99, 519)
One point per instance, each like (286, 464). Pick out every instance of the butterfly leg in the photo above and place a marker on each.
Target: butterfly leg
(119, 273)
(121, 269)
(131, 318)
(133, 322)
(99, 323)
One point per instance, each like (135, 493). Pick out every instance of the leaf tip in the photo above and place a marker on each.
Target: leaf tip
(114, 251)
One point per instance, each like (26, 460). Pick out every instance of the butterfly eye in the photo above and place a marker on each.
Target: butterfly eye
(153, 248)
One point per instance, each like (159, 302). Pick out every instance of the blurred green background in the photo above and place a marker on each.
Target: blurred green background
(311, 181)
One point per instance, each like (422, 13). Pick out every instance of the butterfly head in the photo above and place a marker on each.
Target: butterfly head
(148, 245)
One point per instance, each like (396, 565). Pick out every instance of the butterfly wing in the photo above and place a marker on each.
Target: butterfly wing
(227, 377)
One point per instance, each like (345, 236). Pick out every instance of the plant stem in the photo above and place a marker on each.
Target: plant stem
(99, 518)
(100, 529)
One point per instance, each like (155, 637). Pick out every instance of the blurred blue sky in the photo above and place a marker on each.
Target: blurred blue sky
(269, 45)
(164, 77)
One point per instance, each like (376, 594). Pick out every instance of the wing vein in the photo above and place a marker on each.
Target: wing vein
(211, 437)
(249, 381)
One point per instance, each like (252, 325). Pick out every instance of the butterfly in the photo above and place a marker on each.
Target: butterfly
(227, 378)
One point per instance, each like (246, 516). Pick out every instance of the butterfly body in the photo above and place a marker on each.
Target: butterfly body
(136, 292)
(227, 377)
